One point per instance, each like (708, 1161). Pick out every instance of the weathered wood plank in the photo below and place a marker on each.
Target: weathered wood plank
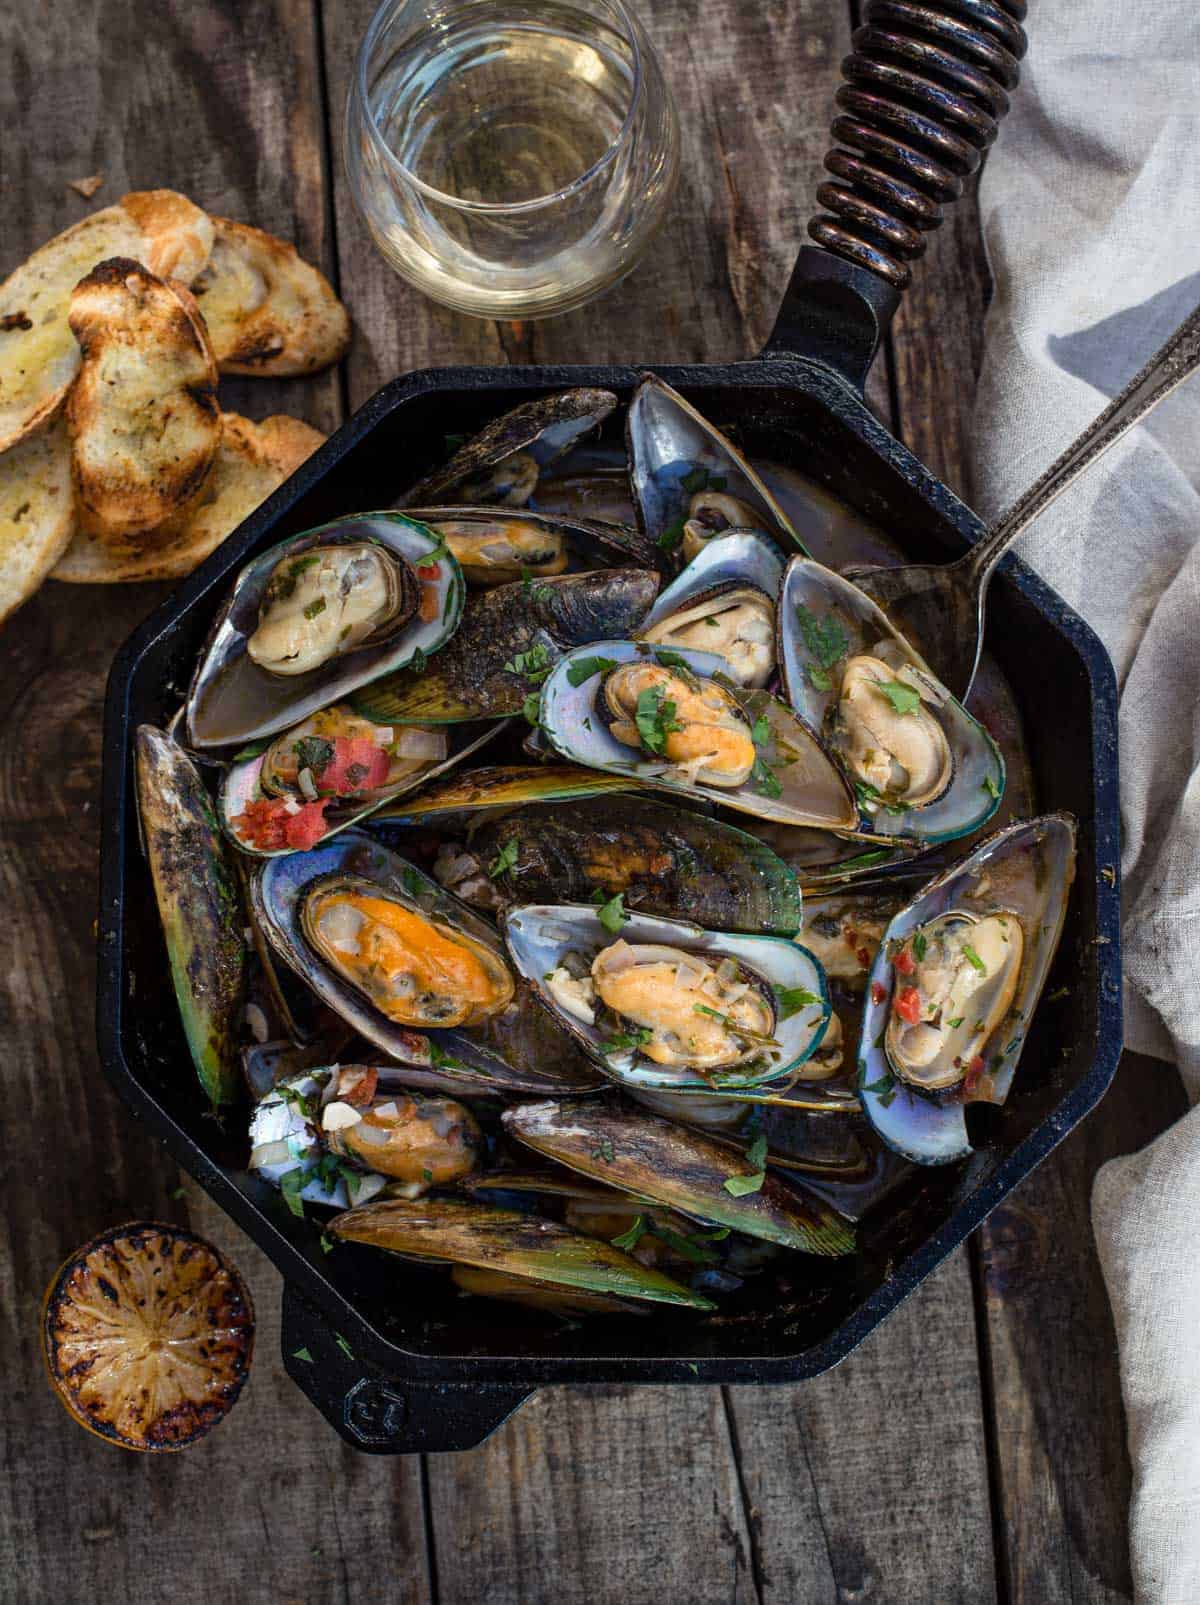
(222, 102)
(1062, 1467)
(593, 1494)
(871, 1482)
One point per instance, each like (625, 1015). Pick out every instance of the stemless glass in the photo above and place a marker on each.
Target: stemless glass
(512, 158)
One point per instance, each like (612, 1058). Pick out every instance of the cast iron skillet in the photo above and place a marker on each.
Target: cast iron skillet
(391, 1356)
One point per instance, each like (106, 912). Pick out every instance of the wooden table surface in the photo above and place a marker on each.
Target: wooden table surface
(973, 1448)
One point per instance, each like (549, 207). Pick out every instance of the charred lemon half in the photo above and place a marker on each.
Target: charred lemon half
(148, 1334)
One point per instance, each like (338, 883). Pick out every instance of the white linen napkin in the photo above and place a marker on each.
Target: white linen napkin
(1091, 215)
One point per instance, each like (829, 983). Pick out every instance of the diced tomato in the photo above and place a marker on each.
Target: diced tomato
(260, 824)
(878, 992)
(974, 1072)
(907, 1004)
(360, 1094)
(357, 765)
(306, 827)
(430, 603)
(863, 957)
(904, 962)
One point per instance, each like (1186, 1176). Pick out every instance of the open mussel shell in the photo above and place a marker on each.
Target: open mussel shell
(233, 700)
(518, 1050)
(544, 938)
(494, 547)
(661, 859)
(415, 756)
(196, 889)
(509, 637)
(504, 1240)
(499, 787)
(570, 1304)
(794, 784)
(828, 630)
(339, 1134)
(686, 1170)
(724, 602)
(678, 460)
(502, 464)
(1025, 871)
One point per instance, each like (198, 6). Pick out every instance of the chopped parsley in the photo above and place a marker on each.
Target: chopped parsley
(416, 664)
(611, 912)
(343, 1345)
(532, 707)
(826, 641)
(630, 1239)
(535, 593)
(426, 1174)
(764, 780)
(655, 718)
(954, 1024)
(316, 606)
(902, 697)
(884, 1089)
(695, 481)
(920, 946)
(756, 1157)
(671, 536)
(504, 859)
(302, 1354)
(604, 1151)
(791, 999)
(625, 1040)
(732, 1025)
(973, 959)
(760, 734)
(992, 789)
(671, 660)
(878, 855)
(584, 668)
(533, 665)
(313, 753)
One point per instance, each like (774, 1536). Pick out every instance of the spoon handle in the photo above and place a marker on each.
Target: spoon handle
(1166, 370)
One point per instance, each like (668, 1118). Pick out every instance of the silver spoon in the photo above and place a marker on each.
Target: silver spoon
(940, 605)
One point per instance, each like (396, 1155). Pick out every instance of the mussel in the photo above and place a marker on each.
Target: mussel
(502, 464)
(724, 602)
(660, 1003)
(342, 1134)
(199, 904)
(955, 983)
(506, 1241)
(313, 619)
(321, 603)
(416, 970)
(455, 1013)
(672, 721)
(496, 547)
(330, 770)
(510, 637)
(689, 482)
(496, 788)
(922, 768)
(647, 1157)
(659, 859)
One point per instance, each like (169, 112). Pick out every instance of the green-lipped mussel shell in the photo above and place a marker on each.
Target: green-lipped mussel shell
(685, 1170)
(198, 902)
(505, 1240)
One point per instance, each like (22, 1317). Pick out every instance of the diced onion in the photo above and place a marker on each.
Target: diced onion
(270, 1153)
(337, 1116)
(690, 973)
(366, 1189)
(727, 971)
(388, 1110)
(374, 1136)
(413, 742)
(618, 958)
(291, 805)
(307, 784)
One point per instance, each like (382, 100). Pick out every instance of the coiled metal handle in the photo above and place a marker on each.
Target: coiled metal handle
(925, 88)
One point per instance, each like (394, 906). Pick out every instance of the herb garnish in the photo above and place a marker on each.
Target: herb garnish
(973, 959)
(827, 642)
(630, 1239)
(791, 999)
(504, 859)
(302, 1354)
(902, 697)
(611, 911)
(920, 946)
(953, 1025)
(624, 1040)
(584, 668)
(312, 752)
(535, 593)
(992, 789)
(605, 1151)
(731, 1025)
(655, 718)
(884, 1089)
(531, 665)
(756, 1156)
(671, 536)
(316, 606)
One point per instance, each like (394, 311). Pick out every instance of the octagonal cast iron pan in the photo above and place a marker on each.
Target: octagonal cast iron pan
(387, 1352)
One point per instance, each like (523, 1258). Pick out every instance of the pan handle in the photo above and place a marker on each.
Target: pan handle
(381, 1414)
(923, 93)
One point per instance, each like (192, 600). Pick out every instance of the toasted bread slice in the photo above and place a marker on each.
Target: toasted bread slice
(36, 515)
(268, 311)
(39, 356)
(253, 460)
(143, 414)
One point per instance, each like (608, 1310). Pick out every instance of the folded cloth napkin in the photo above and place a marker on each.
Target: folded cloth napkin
(1091, 215)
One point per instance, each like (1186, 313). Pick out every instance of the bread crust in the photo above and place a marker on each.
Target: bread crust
(36, 516)
(39, 357)
(252, 462)
(143, 414)
(268, 311)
